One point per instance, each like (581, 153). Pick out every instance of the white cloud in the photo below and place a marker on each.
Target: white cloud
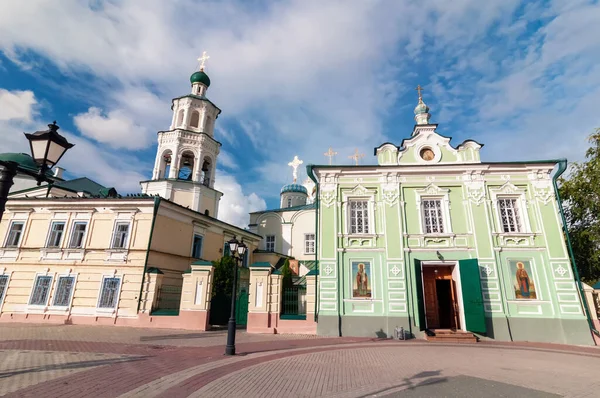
(115, 129)
(17, 105)
(235, 205)
(226, 159)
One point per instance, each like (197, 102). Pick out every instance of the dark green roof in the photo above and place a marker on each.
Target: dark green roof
(262, 264)
(310, 264)
(200, 77)
(293, 208)
(86, 185)
(23, 160)
(313, 272)
(202, 262)
(154, 270)
(300, 281)
(280, 262)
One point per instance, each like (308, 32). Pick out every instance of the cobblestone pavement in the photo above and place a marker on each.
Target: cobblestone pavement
(94, 361)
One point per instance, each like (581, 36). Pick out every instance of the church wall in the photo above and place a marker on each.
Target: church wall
(271, 224)
(302, 223)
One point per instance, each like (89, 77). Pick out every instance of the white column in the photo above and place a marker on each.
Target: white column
(286, 239)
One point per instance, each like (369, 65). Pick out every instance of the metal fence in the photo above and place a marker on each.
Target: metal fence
(169, 300)
(293, 303)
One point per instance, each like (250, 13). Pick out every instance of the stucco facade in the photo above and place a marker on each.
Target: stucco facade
(429, 207)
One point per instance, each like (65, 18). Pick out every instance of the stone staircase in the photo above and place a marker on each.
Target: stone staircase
(450, 336)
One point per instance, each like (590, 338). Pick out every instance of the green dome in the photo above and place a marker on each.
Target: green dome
(421, 108)
(24, 161)
(200, 77)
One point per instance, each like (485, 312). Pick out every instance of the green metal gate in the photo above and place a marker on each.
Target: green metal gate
(241, 309)
(169, 300)
(293, 304)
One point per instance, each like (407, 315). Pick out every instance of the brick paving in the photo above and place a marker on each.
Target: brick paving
(93, 361)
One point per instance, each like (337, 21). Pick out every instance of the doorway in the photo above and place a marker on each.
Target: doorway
(441, 297)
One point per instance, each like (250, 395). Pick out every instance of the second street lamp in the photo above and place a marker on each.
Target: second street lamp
(237, 251)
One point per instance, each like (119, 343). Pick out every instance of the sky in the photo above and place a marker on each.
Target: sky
(295, 78)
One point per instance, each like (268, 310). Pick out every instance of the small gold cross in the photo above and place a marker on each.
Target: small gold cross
(356, 156)
(419, 89)
(202, 60)
(330, 154)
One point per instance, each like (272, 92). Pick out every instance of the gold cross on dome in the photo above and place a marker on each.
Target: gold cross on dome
(330, 154)
(294, 164)
(419, 89)
(357, 156)
(202, 60)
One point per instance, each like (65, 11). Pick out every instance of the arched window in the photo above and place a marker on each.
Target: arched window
(186, 166)
(195, 120)
(180, 118)
(206, 171)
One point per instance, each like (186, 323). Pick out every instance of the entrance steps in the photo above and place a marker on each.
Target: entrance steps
(450, 336)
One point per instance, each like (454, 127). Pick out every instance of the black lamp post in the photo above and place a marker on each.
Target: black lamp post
(237, 251)
(47, 147)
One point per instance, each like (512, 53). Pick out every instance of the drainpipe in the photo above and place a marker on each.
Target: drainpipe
(154, 214)
(562, 166)
(309, 172)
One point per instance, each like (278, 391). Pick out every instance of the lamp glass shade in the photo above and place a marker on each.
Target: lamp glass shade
(47, 147)
(38, 150)
(233, 245)
(242, 249)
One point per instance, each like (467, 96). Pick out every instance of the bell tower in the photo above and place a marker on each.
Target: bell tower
(186, 158)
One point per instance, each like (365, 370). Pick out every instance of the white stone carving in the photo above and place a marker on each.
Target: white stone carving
(359, 190)
(395, 270)
(328, 269)
(561, 270)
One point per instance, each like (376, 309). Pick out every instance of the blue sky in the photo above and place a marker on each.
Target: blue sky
(296, 77)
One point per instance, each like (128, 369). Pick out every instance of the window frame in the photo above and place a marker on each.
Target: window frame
(313, 240)
(510, 191)
(267, 243)
(433, 192)
(35, 282)
(423, 215)
(3, 293)
(369, 229)
(360, 193)
(6, 238)
(62, 235)
(118, 294)
(201, 244)
(71, 293)
(83, 238)
(112, 238)
(516, 211)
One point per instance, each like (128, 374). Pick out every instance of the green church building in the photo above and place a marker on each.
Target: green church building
(432, 238)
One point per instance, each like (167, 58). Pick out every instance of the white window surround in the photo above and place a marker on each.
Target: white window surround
(60, 307)
(359, 193)
(44, 306)
(109, 311)
(50, 235)
(434, 192)
(114, 231)
(509, 191)
(8, 234)
(3, 275)
(84, 237)
(308, 239)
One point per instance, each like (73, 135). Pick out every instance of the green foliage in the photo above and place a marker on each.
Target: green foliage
(581, 194)
(223, 276)
(286, 273)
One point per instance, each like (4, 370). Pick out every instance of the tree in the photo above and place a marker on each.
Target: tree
(581, 195)
(223, 276)
(286, 275)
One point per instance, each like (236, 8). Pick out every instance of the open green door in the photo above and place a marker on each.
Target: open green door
(471, 294)
(419, 294)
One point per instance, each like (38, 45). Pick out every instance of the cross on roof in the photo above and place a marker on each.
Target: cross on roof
(202, 60)
(294, 164)
(330, 154)
(357, 156)
(419, 89)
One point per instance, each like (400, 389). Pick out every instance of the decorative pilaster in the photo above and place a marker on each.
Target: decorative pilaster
(195, 295)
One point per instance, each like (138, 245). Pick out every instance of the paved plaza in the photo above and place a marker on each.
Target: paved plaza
(85, 361)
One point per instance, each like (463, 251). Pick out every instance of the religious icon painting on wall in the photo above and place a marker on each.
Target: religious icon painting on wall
(361, 279)
(522, 278)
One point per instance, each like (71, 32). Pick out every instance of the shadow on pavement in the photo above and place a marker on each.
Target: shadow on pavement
(410, 382)
(71, 365)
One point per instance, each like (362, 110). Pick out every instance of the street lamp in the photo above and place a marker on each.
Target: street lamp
(237, 251)
(47, 147)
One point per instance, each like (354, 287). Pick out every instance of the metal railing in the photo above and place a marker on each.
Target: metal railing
(293, 303)
(168, 301)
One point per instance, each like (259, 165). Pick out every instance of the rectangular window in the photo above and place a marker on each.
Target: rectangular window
(41, 290)
(226, 251)
(3, 286)
(270, 243)
(14, 234)
(289, 204)
(359, 217)
(509, 215)
(64, 288)
(109, 292)
(57, 228)
(433, 217)
(77, 235)
(309, 243)
(197, 246)
(120, 235)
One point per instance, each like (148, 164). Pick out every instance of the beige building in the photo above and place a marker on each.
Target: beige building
(77, 252)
